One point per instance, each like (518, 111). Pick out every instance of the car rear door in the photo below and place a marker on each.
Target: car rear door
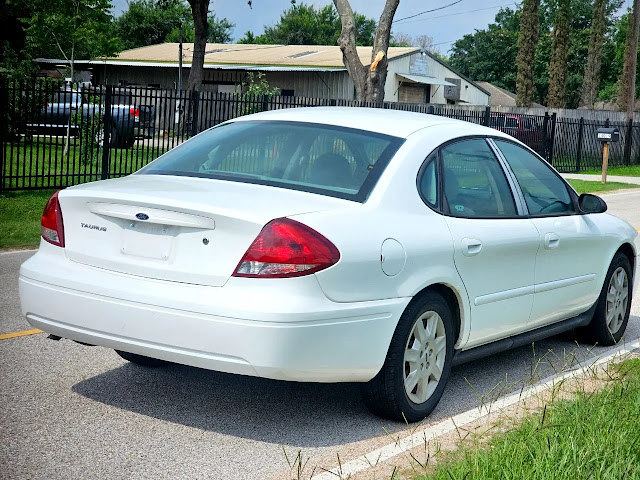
(494, 247)
(569, 258)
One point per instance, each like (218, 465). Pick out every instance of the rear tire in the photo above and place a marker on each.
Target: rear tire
(418, 362)
(141, 360)
(614, 304)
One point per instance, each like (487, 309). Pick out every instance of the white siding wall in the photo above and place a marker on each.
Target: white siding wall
(304, 84)
(469, 93)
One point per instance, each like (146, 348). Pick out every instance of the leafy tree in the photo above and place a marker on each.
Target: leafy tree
(527, 44)
(220, 31)
(303, 24)
(558, 68)
(490, 55)
(70, 29)
(15, 56)
(248, 37)
(147, 22)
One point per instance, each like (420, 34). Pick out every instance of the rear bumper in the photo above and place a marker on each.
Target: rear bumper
(286, 329)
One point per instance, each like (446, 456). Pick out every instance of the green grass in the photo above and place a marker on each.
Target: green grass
(629, 171)
(20, 214)
(43, 162)
(594, 436)
(584, 186)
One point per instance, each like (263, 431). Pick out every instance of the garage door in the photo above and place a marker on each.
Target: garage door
(408, 93)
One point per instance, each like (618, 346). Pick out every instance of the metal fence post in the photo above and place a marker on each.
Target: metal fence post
(195, 105)
(545, 136)
(4, 128)
(628, 140)
(106, 129)
(487, 116)
(580, 137)
(553, 136)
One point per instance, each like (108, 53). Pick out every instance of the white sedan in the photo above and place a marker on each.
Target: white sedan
(332, 245)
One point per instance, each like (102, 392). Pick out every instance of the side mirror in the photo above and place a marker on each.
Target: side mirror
(589, 203)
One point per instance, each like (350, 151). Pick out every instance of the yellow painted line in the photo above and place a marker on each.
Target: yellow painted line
(22, 333)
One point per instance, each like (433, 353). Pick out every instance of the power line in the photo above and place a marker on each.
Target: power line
(461, 13)
(427, 11)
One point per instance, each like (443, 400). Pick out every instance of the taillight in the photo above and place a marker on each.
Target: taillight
(52, 229)
(286, 248)
(134, 111)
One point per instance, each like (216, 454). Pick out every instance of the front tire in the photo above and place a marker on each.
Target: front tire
(418, 362)
(141, 360)
(614, 304)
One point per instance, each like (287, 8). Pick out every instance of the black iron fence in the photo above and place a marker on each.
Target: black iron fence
(53, 136)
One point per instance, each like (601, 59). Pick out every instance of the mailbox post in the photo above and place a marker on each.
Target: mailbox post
(607, 135)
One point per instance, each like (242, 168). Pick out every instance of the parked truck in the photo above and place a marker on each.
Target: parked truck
(61, 114)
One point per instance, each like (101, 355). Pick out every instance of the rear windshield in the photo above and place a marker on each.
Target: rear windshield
(334, 161)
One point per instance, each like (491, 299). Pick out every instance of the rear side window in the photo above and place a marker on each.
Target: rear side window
(334, 161)
(474, 183)
(544, 192)
(429, 181)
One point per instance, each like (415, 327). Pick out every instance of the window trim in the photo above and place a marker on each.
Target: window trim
(439, 209)
(572, 193)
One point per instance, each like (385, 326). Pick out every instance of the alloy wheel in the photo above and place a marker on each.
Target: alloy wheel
(424, 357)
(617, 299)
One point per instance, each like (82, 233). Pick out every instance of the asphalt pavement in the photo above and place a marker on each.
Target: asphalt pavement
(76, 412)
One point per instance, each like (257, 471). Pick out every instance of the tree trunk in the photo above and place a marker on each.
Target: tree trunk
(199, 11)
(557, 97)
(626, 95)
(527, 43)
(369, 82)
(591, 81)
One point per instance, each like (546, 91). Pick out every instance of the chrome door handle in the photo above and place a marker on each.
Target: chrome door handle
(471, 247)
(551, 240)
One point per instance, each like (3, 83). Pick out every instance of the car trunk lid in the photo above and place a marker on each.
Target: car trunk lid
(174, 228)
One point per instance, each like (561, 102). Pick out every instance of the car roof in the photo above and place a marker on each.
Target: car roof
(397, 123)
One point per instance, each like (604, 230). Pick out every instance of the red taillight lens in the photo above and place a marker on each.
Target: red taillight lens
(134, 111)
(286, 248)
(52, 228)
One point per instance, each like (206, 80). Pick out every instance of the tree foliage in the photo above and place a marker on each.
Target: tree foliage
(594, 56)
(490, 54)
(70, 29)
(559, 66)
(220, 31)
(149, 22)
(527, 44)
(303, 24)
(626, 94)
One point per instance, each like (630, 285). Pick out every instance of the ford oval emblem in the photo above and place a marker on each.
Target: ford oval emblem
(142, 216)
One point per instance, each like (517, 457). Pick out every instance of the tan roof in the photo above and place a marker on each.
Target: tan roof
(501, 97)
(245, 54)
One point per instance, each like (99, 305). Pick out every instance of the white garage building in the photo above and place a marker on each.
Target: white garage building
(316, 71)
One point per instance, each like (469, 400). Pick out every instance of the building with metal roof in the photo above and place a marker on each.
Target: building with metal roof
(315, 71)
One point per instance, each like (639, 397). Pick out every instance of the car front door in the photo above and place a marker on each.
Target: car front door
(494, 247)
(569, 257)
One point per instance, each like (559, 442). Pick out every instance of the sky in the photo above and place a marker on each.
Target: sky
(445, 25)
